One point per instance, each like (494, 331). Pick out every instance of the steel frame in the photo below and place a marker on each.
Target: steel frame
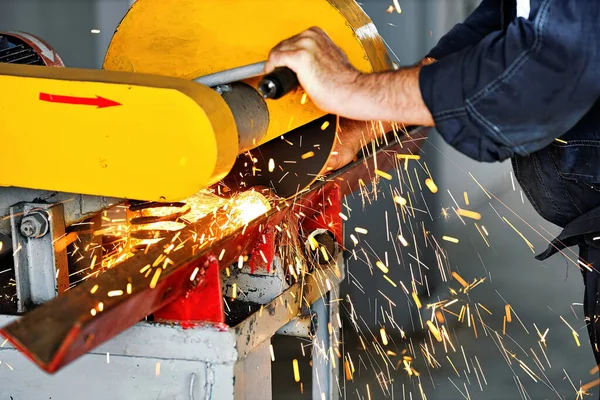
(69, 330)
(203, 362)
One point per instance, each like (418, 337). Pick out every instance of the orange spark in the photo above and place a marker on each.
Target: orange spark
(296, 370)
(508, 313)
(384, 175)
(382, 267)
(468, 214)
(459, 279)
(431, 185)
(384, 338)
(450, 239)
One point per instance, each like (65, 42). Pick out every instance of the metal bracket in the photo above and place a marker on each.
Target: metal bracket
(77, 207)
(304, 326)
(259, 286)
(40, 256)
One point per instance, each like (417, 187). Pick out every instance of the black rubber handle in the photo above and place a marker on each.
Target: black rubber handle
(278, 83)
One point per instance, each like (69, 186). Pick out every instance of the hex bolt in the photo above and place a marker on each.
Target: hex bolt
(34, 225)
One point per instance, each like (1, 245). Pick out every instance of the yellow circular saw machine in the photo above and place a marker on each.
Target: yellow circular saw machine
(142, 128)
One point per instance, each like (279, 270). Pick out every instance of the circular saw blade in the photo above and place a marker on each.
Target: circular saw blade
(288, 164)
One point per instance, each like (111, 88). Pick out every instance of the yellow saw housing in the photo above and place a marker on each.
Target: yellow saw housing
(191, 38)
(166, 137)
(135, 136)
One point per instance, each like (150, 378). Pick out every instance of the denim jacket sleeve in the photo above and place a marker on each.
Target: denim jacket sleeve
(517, 90)
(485, 19)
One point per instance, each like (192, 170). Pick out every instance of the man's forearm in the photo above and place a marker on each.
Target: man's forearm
(389, 96)
(336, 87)
(364, 131)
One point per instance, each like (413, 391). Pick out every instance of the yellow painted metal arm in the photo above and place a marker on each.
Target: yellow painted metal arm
(141, 129)
(112, 133)
(192, 38)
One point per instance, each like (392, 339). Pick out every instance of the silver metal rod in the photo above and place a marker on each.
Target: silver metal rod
(232, 75)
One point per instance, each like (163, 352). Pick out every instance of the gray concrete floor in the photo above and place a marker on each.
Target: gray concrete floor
(539, 292)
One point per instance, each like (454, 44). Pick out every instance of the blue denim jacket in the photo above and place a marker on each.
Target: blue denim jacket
(508, 87)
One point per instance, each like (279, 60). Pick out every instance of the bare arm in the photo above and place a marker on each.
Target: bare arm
(391, 96)
(335, 86)
(353, 135)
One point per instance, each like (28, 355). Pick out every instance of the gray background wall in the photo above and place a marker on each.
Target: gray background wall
(409, 36)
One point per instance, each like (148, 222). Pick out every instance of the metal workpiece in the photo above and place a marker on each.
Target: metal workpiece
(72, 330)
(211, 343)
(232, 75)
(40, 260)
(250, 112)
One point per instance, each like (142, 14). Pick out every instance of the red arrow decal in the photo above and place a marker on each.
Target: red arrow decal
(99, 102)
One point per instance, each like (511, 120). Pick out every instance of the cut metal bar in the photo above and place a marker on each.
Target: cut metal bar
(65, 328)
(232, 75)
